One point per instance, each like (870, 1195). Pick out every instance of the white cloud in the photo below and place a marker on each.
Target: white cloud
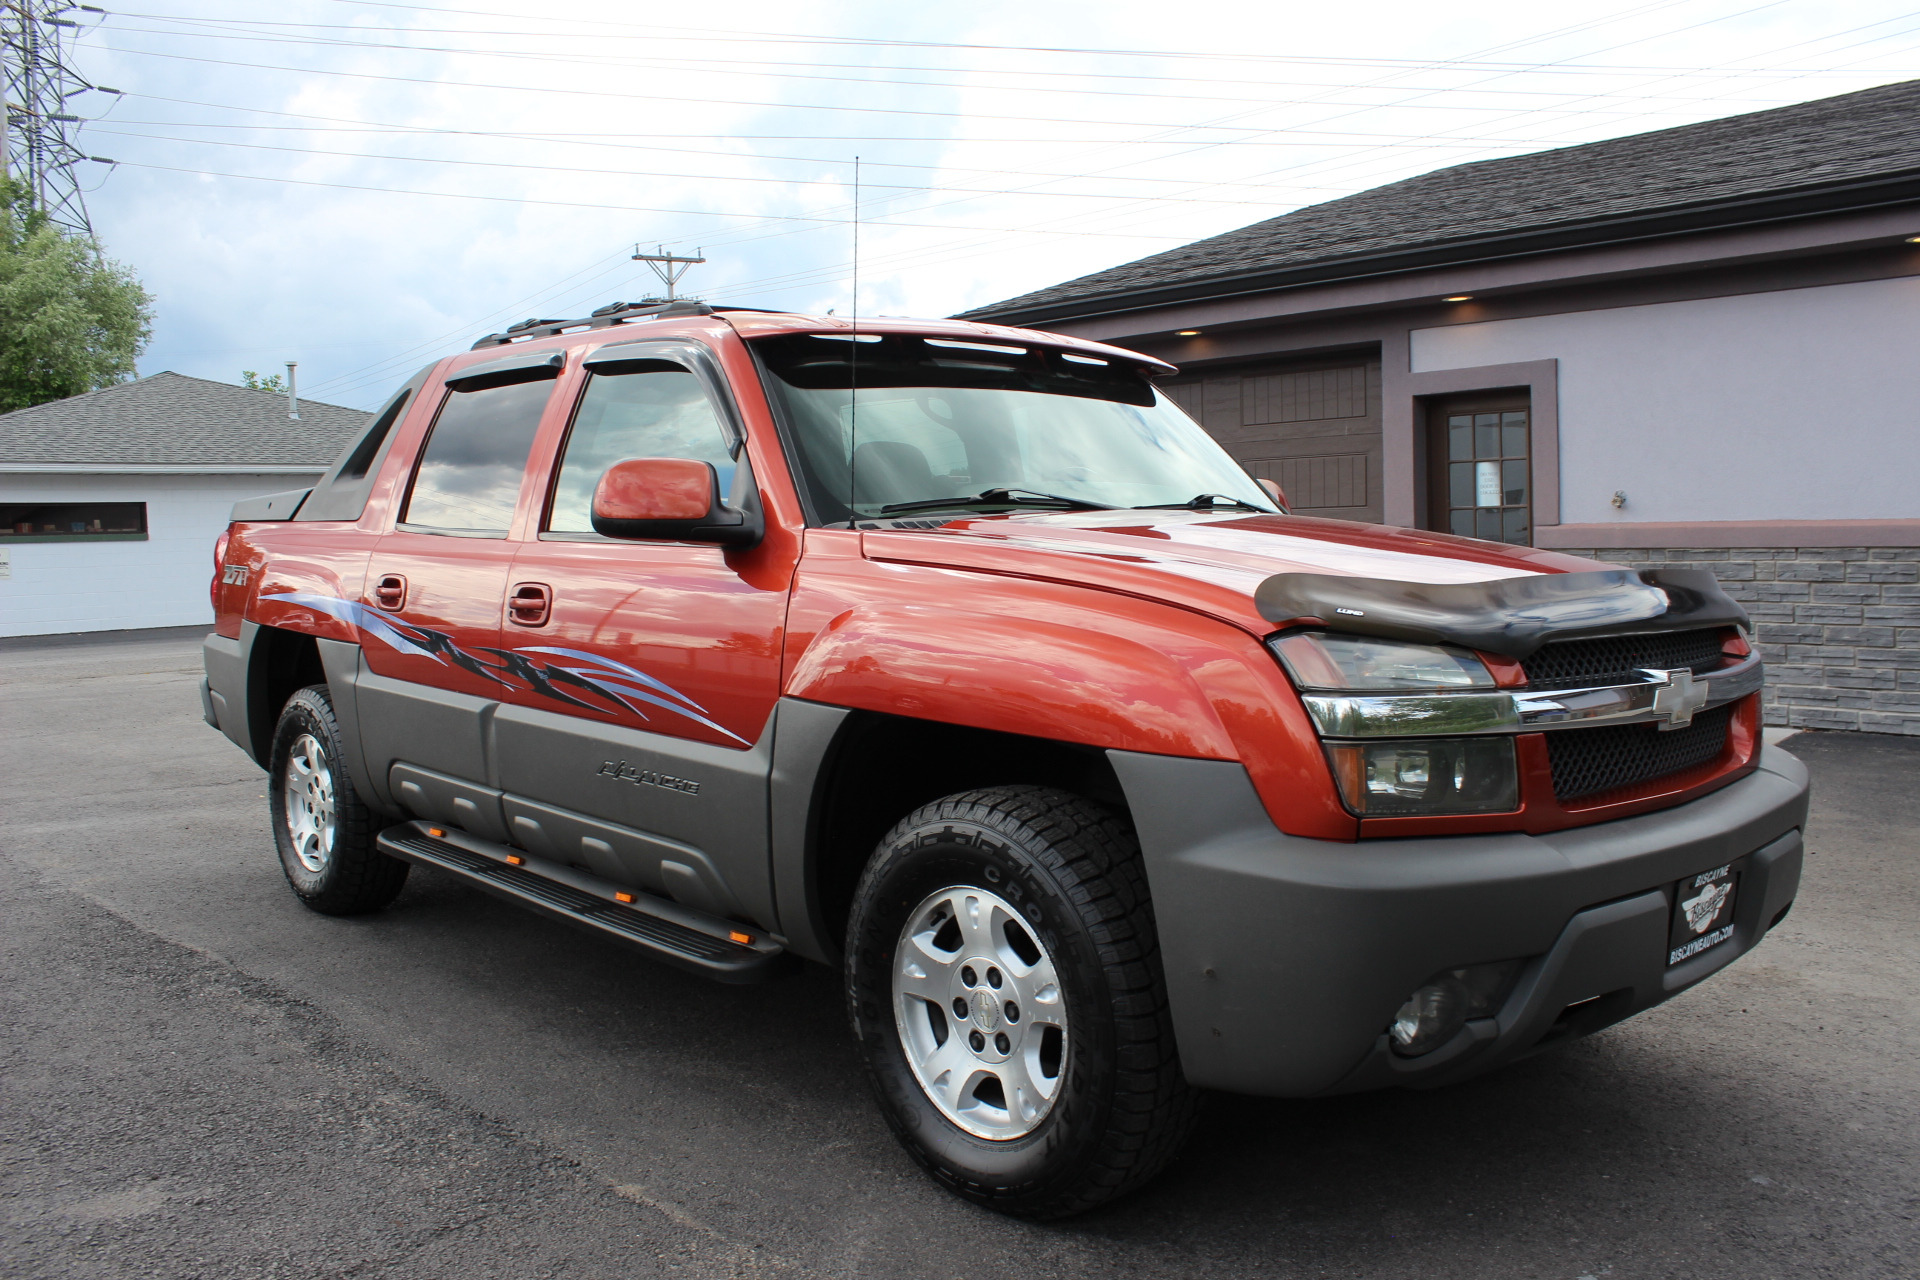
(694, 139)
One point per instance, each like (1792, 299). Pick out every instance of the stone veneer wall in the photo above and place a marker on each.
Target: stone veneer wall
(1839, 628)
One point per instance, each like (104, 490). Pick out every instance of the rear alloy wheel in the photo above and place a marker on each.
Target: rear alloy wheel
(310, 819)
(1004, 979)
(324, 834)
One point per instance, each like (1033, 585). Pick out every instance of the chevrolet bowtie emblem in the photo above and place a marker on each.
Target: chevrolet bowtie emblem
(1677, 698)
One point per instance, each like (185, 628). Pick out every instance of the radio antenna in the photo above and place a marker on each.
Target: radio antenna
(853, 366)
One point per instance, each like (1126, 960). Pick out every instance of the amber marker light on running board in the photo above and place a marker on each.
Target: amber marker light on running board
(515, 860)
(744, 939)
(436, 832)
(623, 897)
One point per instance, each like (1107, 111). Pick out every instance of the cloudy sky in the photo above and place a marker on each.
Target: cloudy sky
(365, 186)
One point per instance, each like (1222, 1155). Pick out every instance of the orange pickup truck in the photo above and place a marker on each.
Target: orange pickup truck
(957, 657)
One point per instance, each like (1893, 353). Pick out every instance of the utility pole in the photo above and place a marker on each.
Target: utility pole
(41, 132)
(669, 267)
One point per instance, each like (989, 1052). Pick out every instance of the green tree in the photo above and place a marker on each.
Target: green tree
(70, 320)
(254, 382)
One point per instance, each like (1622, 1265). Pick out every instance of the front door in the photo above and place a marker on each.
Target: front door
(431, 616)
(647, 670)
(1480, 453)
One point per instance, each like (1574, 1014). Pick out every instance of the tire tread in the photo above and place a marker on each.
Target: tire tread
(362, 878)
(1091, 852)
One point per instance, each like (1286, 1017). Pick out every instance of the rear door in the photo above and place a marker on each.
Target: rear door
(647, 670)
(438, 579)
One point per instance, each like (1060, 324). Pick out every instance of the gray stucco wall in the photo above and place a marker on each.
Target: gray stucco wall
(1798, 404)
(1839, 628)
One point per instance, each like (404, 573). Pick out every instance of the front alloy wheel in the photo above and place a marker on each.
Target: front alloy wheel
(981, 1016)
(1003, 976)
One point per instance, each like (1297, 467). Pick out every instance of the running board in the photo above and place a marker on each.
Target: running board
(665, 930)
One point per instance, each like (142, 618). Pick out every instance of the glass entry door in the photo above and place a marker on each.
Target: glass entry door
(1481, 462)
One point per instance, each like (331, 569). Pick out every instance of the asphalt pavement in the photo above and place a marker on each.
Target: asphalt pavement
(200, 1078)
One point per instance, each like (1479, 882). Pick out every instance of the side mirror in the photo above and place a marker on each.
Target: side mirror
(1278, 494)
(669, 499)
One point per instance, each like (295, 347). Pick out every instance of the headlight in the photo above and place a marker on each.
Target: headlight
(1322, 660)
(1426, 777)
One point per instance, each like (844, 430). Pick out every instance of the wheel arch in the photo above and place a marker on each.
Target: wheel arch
(280, 663)
(842, 778)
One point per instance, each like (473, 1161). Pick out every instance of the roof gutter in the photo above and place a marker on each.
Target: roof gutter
(1855, 197)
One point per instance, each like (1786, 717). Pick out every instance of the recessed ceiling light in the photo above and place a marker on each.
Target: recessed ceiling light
(1186, 333)
(1459, 297)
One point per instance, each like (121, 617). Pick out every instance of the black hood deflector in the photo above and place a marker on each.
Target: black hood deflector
(1511, 616)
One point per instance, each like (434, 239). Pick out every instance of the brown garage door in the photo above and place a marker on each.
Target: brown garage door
(1312, 427)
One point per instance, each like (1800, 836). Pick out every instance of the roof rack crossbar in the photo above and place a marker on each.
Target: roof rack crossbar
(611, 314)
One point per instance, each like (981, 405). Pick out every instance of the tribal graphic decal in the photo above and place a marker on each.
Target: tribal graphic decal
(578, 678)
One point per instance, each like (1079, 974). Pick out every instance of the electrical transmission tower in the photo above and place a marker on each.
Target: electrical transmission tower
(41, 131)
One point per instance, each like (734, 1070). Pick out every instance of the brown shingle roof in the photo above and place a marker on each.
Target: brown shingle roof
(1557, 198)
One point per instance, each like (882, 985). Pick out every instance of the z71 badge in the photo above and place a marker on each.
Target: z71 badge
(234, 575)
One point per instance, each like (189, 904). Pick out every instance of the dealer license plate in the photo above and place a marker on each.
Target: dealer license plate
(1703, 912)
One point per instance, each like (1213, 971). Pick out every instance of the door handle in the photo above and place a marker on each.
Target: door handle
(391, 593)
(530, 605)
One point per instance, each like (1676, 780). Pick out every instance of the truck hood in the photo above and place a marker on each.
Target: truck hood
(1208, 561)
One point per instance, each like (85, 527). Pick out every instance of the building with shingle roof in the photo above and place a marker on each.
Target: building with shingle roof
(1690, 346)
(110, 501)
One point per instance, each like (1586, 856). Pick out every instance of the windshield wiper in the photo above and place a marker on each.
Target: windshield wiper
(998, 497)
(1202, 502)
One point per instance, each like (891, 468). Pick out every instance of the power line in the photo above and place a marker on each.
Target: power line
(1184, 136)
(710, 177)
(207, 29)
(815, 220)
(707, 35)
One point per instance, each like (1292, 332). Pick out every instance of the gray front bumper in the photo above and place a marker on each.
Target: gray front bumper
(1287, 957)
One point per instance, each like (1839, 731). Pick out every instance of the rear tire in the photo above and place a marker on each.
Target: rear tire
(324, 833)
(1003, 976)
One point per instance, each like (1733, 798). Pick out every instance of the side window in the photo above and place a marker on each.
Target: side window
(469, 474)
(658, 412)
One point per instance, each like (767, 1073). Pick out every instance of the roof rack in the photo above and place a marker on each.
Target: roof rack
(611, 314)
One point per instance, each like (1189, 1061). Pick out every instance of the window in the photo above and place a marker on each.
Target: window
(1483, 487)
(658, 410)
(938, 419)
(469, 475)
(72, 521)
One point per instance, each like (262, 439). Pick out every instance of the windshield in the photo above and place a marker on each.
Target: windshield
(936, 418)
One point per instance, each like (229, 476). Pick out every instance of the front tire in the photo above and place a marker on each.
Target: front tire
(1003, 976)
(324, 834)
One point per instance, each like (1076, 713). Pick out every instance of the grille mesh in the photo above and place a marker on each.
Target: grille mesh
(1566, 664)
(1588, 761)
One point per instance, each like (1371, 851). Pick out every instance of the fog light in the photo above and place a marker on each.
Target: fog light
(1435, 1013)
